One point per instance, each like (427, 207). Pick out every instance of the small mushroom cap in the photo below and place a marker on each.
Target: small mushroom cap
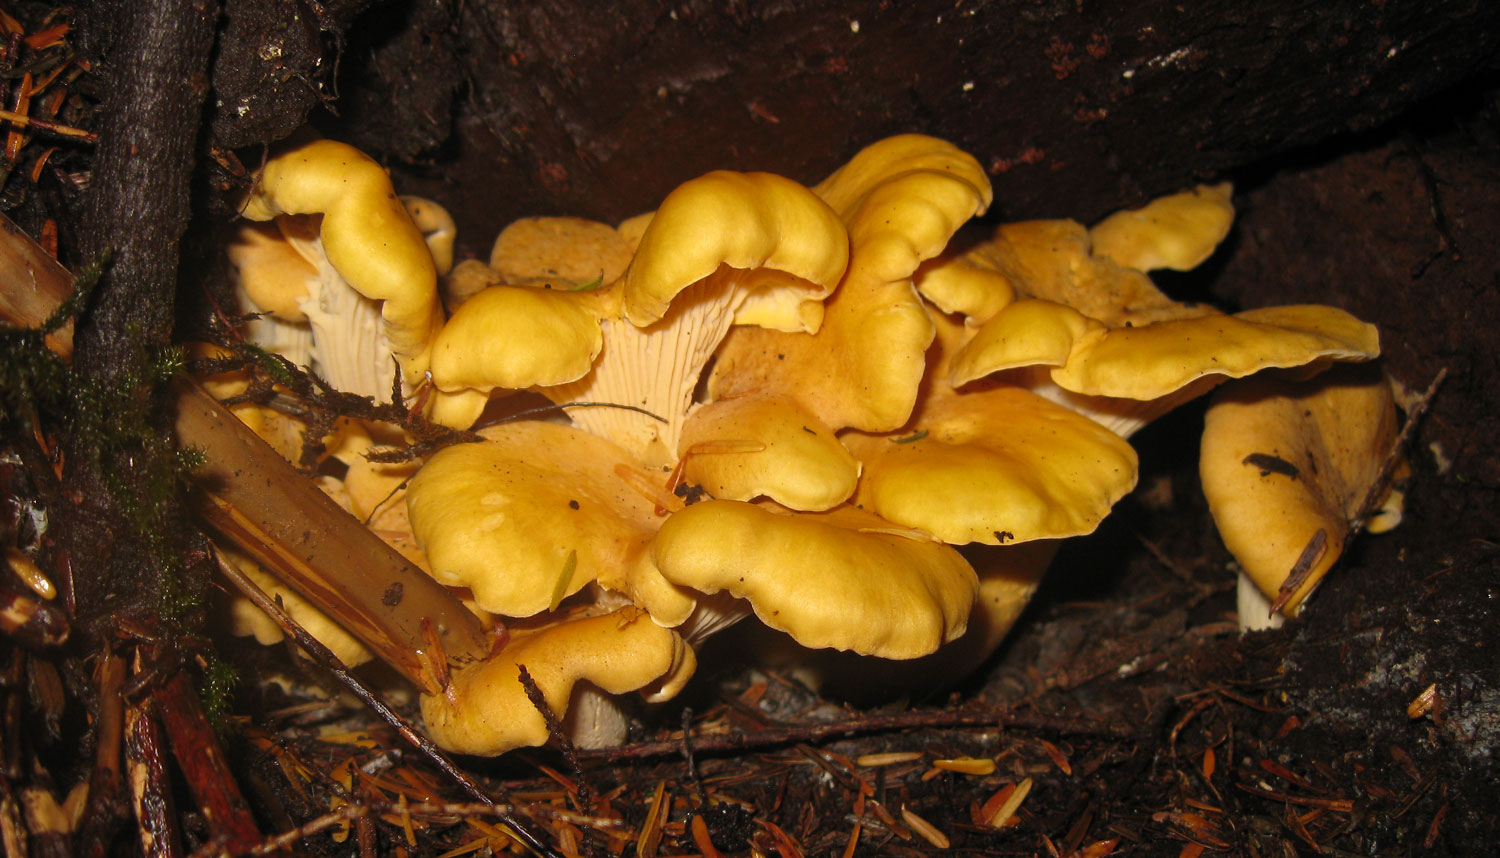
(1029, 332)
(516, 337)
(437, 228)
(786, 454)
(272, 274)
(245, 619)
(902, 199)
(842, 579)
(1283, 459)
(1153, 360)
(1008, 576)
(743, 221)
(367, 234)
(1177, 231)
(503, 517)
(490, 713)
(570, 249)
(955, 284)
(996, 466)
(1051, 260)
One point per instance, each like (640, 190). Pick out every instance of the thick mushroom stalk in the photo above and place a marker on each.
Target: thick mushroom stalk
(369, 290)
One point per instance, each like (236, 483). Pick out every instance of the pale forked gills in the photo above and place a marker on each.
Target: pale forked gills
(654, 368)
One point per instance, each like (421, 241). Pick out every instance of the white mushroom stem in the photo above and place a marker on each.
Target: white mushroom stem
(291, 340)
(350, 348)
(1253, 608)
(654, 368)
(594, 719)
(1124, 417)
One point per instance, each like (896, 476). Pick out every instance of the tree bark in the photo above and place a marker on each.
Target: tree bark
(1073, 108)
(120, 532)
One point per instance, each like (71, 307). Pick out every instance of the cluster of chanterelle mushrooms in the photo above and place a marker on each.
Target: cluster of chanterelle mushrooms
(787, 401)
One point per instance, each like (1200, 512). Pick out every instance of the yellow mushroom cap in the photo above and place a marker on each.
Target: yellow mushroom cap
(489, 711)
(902, 199)
(955, 284)
(996, 466)
(568, 249)
(514, 337)
(1178, 231)
(272, 274)
(366, 233)
(1029, 332)
(245, 619)
(1008, 576)
(744, 221)
(841, 579)
(1282, 460)
(503, 517)
(1153, 360)
(766, 446)
(437, 228)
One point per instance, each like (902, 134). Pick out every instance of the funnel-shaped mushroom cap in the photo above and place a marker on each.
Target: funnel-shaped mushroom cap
(902, 199)
(1051, 260)
(1177, 231)
(367, 235)
(1119, 349)
(995, 466)
(488, 711)
(245, 619)
(785, 454)
(529, 516)
(744, 221)
(843, 579)
(1284, 460)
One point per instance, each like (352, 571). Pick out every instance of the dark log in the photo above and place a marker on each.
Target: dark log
(121, 534)
(1074, 108)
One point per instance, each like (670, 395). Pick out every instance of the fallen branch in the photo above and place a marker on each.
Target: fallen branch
(789, 734)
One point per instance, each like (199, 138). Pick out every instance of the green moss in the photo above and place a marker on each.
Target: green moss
(218, 684)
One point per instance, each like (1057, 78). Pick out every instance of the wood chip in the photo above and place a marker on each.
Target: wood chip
(871, 761)
(924, 829)
(966, 766)
(1008, 801)
(1423, 702)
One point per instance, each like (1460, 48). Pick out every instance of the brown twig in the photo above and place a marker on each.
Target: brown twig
(330, 662)
(1311, 554)
(102, 816)
(201, 760)
(1377, 491)
(559, 735)
(790, 734)
(150, 788)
